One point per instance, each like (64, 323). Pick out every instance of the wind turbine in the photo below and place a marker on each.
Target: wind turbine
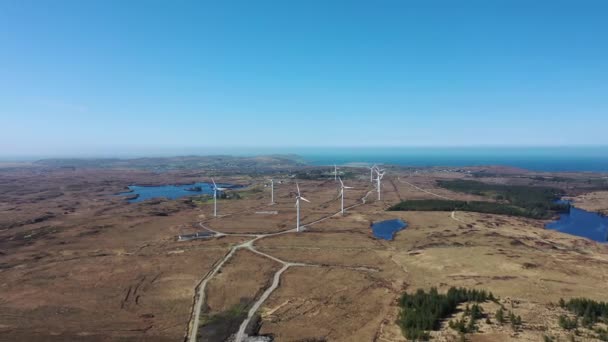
(271, 191)
(335, 172)
(342, 187)
(298, 198)
(371, 173)
(215, 190)
(380, 174)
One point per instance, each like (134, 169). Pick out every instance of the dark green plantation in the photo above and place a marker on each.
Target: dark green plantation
(589, 310)
(517, 200)
(422, 312)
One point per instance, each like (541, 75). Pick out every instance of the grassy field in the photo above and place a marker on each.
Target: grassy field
(78, 263)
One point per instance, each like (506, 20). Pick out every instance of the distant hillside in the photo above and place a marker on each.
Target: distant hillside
(161, 164)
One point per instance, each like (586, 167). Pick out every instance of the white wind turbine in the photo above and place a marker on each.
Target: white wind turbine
(298, 198)
(335, 172)
(380, 174)
(371, 173)
(215, 190)
(342, 187)
(271, 191)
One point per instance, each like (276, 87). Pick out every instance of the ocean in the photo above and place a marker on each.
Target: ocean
(564, 159)
(559, 159)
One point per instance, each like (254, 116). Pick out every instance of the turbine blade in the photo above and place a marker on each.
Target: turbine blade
(297, 186)
(341, 182)
(348, 187)
(304, 199)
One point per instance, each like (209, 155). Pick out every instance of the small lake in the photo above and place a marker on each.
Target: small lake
(387, 229)
(583, 223)
(171, 191)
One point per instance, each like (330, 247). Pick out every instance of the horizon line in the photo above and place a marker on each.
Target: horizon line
(169, 152)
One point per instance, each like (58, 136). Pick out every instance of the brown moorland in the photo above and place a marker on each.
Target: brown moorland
(78, 263)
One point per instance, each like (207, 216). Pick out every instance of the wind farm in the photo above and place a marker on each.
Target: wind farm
(272, 258)
(303, 171)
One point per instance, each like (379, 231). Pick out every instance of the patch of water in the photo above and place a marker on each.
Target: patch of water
(583, 223)
(171, 191)
(387, 229)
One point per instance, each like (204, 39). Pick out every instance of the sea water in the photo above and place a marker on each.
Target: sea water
(532, 158)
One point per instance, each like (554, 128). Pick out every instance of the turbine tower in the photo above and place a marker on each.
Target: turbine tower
(271, 191)
(342, 187)
(380, 174)
(215, 190)
(298, 198)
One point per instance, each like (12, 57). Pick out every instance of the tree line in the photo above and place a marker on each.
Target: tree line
(523, 201)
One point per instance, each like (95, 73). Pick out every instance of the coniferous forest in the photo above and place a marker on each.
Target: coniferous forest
(421, 311)
(515, 200)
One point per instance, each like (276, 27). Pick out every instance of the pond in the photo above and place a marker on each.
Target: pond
(387, 229)
(141, 193)
(583, 223)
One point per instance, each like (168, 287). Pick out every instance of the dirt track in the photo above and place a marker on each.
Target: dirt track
(200, 298)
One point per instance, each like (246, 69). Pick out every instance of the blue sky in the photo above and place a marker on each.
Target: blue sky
(103, 77)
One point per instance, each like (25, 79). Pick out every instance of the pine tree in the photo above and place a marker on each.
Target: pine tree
(500, 316)
(471, 326)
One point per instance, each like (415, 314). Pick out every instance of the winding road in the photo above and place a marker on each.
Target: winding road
(193, 324)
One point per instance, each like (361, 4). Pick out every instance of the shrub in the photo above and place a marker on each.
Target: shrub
(500, 316)
(567, 323)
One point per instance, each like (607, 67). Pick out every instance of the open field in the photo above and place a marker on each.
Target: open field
(78, 263)
(594, 201)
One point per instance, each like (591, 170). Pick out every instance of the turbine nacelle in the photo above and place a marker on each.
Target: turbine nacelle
(216, 188)
(342, 186)
(298, 198)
